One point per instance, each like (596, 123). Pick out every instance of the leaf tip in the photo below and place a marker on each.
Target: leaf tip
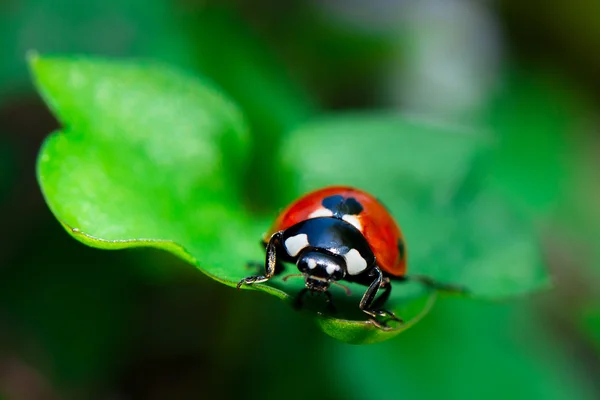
(33, 60)
(32, 56)
(36, 65)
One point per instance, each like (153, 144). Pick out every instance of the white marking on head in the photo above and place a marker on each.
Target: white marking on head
(331, 269)
(355, 263)
(321, 212)
(312, 264)
(353, 219)
(294, 244)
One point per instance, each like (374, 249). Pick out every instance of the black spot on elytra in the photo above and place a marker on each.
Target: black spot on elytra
(401, 248)
(332, 202)
(340, 206)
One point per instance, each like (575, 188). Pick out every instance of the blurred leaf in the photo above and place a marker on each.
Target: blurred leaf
(340, 61)
(533, 117)
(130, 27)
(70, 307)
(153, 157)
(7, 166)
(230, 52)
(590, 324)
(457, 231)
(464, 350)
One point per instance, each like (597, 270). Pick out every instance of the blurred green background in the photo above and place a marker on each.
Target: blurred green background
(80, 323)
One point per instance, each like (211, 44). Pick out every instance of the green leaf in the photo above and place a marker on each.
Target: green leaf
(412, 304)
(150, 156)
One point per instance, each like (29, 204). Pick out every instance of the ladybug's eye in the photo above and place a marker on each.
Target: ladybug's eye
(305, 264)
(338, 274)
(321, 264)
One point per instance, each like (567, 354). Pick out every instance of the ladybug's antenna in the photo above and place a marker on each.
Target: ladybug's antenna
(346, 288)
(285, 278)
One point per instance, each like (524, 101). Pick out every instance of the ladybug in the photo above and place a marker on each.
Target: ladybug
(338, 233)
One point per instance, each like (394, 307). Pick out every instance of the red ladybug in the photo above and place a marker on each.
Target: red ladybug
(338, 233)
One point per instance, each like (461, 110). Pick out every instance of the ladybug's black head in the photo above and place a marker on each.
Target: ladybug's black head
(320, 269)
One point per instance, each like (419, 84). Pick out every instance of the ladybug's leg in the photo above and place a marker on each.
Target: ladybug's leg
(387, 290)
(270, 262)
(298, 300)
(368, 299)
(330, 307)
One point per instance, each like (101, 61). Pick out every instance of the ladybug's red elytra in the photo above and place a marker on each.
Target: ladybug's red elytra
(338, 233)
